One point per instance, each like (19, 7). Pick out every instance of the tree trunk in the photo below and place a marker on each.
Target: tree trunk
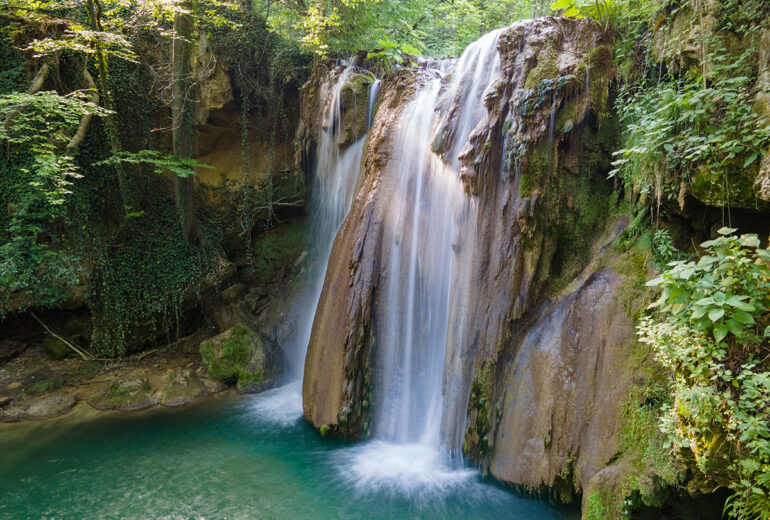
(182, 107)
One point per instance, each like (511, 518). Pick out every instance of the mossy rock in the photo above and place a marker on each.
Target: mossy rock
(49, 385)
(181, 388)
(124, 393)
(56, 348)
(236, 356)
(355, 107)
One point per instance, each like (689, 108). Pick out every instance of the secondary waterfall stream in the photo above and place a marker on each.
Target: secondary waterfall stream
(335, 175)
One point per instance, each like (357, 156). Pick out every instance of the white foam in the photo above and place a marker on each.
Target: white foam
(281, 405)
(400, 468)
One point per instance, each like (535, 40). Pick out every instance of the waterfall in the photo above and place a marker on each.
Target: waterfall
(413, 388)
(335, 176)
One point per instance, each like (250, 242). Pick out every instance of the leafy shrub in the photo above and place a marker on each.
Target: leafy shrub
(680, 130)
(711, 332)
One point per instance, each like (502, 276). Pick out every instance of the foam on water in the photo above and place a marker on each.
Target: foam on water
(281, 406)
(407, 469)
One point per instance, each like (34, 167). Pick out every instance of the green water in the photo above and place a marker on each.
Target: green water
(230, 457)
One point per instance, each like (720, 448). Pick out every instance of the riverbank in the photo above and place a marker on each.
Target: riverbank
(33, 385)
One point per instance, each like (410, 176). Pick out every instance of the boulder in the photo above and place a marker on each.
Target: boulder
(38, 407)
(182, 387)
(125, 393)
(238, 356)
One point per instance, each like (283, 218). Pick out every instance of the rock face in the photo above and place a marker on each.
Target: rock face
(535, 345)
(559, 396)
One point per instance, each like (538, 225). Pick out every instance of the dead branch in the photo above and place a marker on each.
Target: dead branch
(80, 351)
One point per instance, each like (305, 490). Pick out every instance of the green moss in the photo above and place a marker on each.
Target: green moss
(227, 361)
(537, 170)
(600, 61)
(324, 429)
(246, 378)
(738, 190)
(546, 68)
(275, 253)
(49, 385)
(56, 348)
(594, 508)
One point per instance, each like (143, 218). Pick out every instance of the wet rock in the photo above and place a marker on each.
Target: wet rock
(126, 393)
(234, 293)
(567, 384)
(182, 387)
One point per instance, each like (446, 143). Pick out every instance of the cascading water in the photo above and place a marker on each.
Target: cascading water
(412, 387)
(336, 174)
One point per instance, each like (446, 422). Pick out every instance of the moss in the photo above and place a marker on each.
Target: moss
(324, 429)
(49, 385)
(537, 170)
(56, 348)
(594, 508)
(246, 377)
(226, 361)
(546, 68)
(275, 253)
(567, 116)
(601, 62)
(741, 191)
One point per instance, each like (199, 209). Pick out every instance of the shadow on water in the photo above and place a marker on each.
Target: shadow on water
(230, 457)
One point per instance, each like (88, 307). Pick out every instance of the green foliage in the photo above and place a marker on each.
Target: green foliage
(606, 12)
(326, 27)
(138, 287)
(708, 137)
(711, 332)
(277, 251)
(37, 181)
(87, 42)
(390, 54)
(158, 162)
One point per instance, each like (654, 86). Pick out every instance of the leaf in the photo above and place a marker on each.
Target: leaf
(749, 241)
(716, 314)
(726, 230)
(736, 301)
(735, 327)
(572, 12)
(560, 4)
(743, 317)
(720, 331)
(750, 160)
(410, 49)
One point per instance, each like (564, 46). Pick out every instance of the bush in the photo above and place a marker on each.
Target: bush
(711, 332)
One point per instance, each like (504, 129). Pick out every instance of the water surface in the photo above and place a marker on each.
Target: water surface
(231, 457)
